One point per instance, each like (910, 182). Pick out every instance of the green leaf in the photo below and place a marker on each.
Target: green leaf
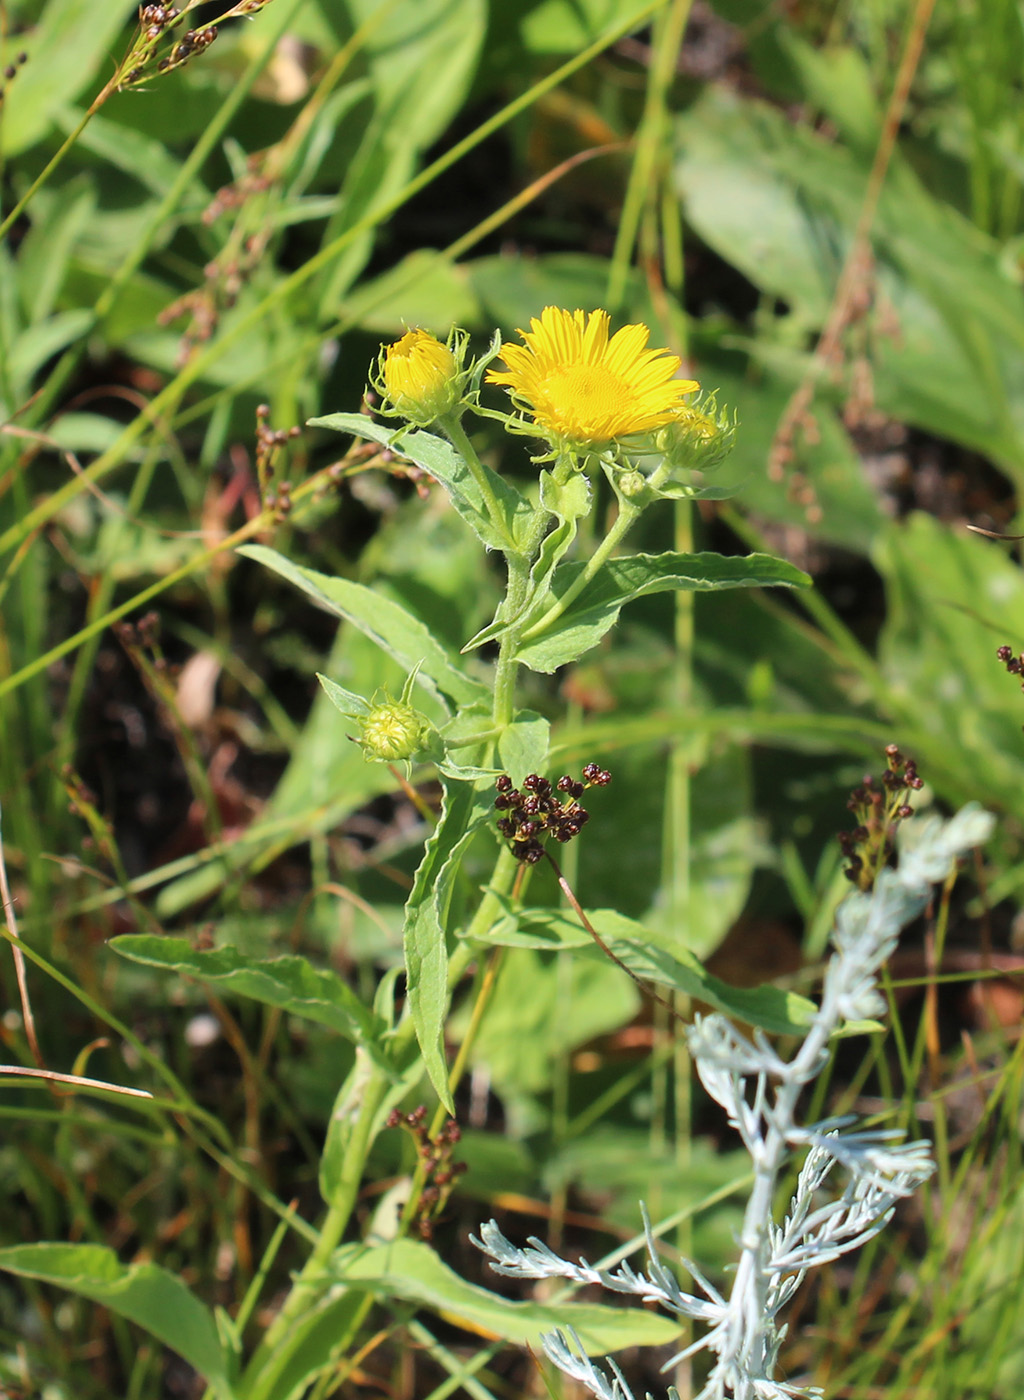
(465, 807)
(523, 746)
(291, 983)
(37, 344)
(385, 622)
(46, 250)
(645, 953)
(568, 502)
(344, 700)
(457, 758)
(144, 1293)
(775, 1010)
(438, 458)
(412, 1271)
(596, 609)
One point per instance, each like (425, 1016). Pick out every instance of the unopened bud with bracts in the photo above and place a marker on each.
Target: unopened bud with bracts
(420, 378)
(699, 436)
(394, 731)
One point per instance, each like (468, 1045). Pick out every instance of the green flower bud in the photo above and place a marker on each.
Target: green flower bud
(698, 437)
(394, 731)
(631, 484)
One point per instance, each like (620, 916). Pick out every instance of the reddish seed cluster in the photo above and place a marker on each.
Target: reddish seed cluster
(11, 71)
(154, 19)
(268, 442)
(537, 811)
(1013, 664)
(194, 41)
(879, 808)
(435, 1155)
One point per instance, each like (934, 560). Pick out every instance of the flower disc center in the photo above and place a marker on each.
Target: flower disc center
(586, 396)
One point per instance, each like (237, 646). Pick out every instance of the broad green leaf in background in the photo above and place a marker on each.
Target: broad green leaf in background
(617, 1165)
(395, 630)
(417, 40)
(953, 599)
(465, 807)
(145, 158)
(780, 202)
(40, 342)
(291, 983)
(513, 288)
(442, 462)
(620, 581)
(144, 1293)
(423, 290)
(851, 512)
(541, 1009)
(45, 251)
(566, 26)
(411, 1271)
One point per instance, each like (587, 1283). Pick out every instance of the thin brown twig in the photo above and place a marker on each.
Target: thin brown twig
(78, 1080)
(19, 963)
(859, 255)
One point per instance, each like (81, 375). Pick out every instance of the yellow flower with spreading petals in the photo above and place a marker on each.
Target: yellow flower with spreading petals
(419, 376)
(584, 389)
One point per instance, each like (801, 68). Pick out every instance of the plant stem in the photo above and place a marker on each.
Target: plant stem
(58, 155)
(371, 1092)
(460, 441)
(625, 519)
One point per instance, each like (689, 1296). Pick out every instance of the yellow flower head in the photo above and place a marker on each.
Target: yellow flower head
(420, 377)
(584, 389)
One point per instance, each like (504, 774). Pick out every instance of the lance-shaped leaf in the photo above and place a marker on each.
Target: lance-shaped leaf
(464, 808)
(384, 621)
(412, 1271)
(650, 957)
(589, 616)
(440, 460)
(290, 983)
(144, 1293)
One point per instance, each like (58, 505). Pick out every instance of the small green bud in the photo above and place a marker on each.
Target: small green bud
(394, 731)
(631, 484)
(699, 437)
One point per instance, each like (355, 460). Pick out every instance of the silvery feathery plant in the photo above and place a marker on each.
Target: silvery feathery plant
(760, 1093)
